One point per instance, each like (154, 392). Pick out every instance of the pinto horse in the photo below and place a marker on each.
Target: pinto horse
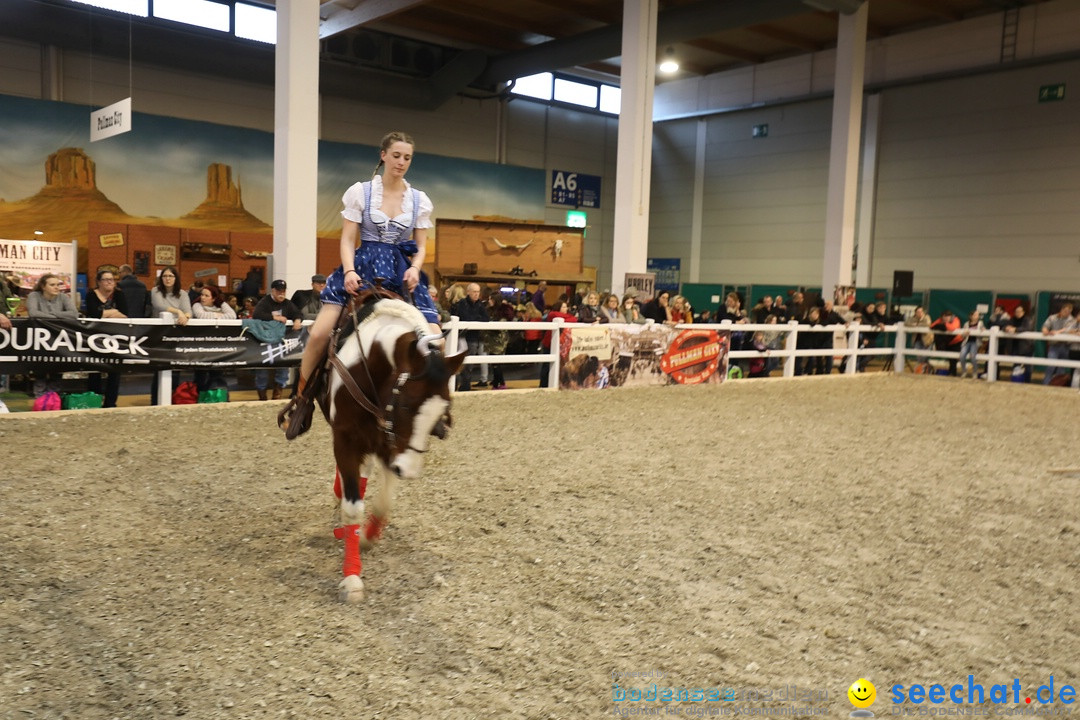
(386, 393)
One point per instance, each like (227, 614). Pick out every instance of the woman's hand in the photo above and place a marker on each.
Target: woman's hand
(352, 281)
(411, 278)
(181, 317)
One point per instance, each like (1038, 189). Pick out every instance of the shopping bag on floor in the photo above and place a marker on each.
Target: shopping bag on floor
(214, 395)
(81, 401)
(186, 394)
(47, 401)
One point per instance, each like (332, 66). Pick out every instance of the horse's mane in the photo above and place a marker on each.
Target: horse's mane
(400, 310)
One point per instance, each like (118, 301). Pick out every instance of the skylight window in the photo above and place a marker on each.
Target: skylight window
(131, 7)
(610, 99)
(535, 86)
(575, 93)
(204, 13)
(256, 23)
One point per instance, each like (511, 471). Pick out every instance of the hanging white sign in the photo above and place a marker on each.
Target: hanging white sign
(111, 120)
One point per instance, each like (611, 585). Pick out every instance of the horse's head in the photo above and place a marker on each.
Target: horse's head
(421, 399)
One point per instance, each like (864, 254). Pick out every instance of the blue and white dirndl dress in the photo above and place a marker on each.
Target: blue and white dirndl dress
(386, 245)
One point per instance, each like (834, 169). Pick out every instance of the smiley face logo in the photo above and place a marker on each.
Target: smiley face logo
(862, 693)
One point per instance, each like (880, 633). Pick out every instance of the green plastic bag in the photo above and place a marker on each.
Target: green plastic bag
(81, 401)
(214, 395)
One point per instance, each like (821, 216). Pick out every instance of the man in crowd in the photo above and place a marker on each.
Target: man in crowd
(136, 296)
(275, 307)
(949, 337)
(1060, 323)
(472, 309)
(308, 301)
(538, 297)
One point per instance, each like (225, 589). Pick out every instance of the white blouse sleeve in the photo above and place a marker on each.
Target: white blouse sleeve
(353, 199)
(423, 217)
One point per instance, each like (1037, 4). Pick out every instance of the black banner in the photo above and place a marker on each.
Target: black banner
(61, 344)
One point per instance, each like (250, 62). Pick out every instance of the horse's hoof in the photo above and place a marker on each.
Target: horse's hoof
(351, 590)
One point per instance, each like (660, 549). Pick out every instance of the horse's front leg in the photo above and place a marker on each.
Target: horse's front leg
(380, 505)
(352, 487)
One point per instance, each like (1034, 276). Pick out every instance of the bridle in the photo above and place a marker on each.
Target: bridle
(384, 417)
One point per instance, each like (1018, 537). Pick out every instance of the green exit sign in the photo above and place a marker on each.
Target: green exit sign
(1052, 93)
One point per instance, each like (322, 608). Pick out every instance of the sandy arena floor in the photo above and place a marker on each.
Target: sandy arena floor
(168, 562)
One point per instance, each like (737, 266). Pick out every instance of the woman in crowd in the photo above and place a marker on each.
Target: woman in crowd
(560, 310)
(211, 306)
(248, 309)
(609, 311)
(629, 312)
(969, 346)
(105, 302)
(167, 296)
(680, 311)
(589, 311)
(657, 309)
(495, 341)
(48, 301)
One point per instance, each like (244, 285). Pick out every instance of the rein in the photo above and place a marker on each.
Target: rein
(367, 298)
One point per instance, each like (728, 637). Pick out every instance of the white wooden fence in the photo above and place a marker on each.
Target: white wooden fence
(898, 351)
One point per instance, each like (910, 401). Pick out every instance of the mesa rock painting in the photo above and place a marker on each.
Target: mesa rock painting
(771, 539)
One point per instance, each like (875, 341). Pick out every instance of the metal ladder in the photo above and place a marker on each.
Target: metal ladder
(1010, 28)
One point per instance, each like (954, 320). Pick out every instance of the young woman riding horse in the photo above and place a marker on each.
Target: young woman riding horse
(389, 219)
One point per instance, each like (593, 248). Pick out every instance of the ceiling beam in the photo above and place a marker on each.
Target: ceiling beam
(585, 10)
(724, 49)
(368, 11)
(934, 7)
(471, 11)
(788, 38)
(675, 25)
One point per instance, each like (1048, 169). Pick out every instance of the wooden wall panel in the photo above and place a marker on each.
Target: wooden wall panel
(261, 244)
(98, 256)
(532, 247)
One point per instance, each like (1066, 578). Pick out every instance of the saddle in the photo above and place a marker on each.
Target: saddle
(295, 418)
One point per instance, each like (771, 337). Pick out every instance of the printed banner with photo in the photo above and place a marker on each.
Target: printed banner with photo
(603, 356)
(24, 261)
(62, 344)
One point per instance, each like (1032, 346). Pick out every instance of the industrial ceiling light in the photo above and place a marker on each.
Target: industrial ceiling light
(669, 64)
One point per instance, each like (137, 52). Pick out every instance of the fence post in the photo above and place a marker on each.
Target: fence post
(451, 348)
(853, 347)
(164, 377)
(992, 351)
(792, 344)
(556, 339)
(900, 346)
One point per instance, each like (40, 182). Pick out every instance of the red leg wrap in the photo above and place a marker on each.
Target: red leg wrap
(374, 528)
(351, 535)
(337, 484)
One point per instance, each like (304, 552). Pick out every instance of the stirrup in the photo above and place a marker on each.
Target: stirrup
(295, 418)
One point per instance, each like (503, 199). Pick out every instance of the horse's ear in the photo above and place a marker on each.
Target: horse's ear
(453, 364)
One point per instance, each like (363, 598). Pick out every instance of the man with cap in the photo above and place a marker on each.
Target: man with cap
(309, 301)
(275, 307)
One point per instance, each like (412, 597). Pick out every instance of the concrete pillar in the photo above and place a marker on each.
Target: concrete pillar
(864, 267)
(844, 150)
(634, 160)
(699, 200)
(296, 142)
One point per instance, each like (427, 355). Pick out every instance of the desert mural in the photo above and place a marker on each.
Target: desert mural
(190, 174)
